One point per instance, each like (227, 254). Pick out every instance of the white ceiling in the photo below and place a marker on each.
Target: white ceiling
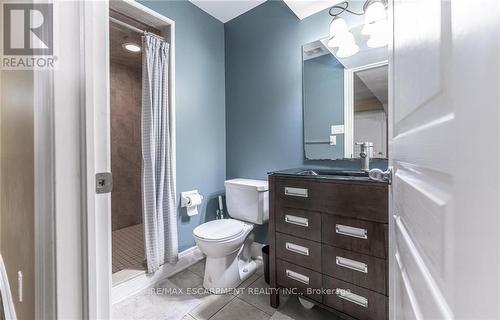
(225, 10)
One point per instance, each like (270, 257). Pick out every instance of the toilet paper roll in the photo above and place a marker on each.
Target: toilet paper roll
(194, 200)
(192, 211)
(193, 203)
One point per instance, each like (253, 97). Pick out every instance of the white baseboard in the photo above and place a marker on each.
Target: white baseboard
(256, 250)
(127, 283)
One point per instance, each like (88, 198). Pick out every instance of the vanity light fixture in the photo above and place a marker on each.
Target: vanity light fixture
(338, 32)
(376, 26)
(348, 48)
(132, 47)
(379, 34)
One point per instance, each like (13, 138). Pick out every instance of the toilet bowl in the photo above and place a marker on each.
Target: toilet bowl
(227, 242)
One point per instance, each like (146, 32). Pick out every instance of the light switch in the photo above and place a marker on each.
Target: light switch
(333, 140)
(337, 129)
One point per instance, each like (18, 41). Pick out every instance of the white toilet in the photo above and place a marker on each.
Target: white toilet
(226, 242)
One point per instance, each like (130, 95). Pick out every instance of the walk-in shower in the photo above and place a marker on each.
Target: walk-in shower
(125, 116)
(142, 147)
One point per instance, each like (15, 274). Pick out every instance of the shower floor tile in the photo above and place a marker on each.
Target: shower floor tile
(128, 248)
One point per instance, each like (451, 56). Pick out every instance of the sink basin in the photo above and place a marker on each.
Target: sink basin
(329, 172)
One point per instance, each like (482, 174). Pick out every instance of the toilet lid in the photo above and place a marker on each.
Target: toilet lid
(219, 229)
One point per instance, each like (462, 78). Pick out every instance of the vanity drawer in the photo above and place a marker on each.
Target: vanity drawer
(355, 301)
(289, 275)
(295, 193)
(362, 200)
(360, 269)
(301, 252)
(301, 223)
(355, 235)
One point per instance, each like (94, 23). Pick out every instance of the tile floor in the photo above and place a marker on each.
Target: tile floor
(128, 248)
(243, 304)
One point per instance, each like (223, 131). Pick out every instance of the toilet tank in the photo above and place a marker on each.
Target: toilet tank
(248, 200)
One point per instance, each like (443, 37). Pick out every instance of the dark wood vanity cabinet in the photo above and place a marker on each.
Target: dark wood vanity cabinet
(328, 241)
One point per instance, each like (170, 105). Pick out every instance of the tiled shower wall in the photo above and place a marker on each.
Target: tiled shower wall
(126, 95)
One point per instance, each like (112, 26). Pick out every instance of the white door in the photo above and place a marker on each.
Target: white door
(444, 79)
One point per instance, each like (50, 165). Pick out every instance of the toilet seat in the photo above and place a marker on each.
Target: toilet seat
(220, 230)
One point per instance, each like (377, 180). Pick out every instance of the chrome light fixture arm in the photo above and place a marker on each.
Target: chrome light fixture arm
(343, 7)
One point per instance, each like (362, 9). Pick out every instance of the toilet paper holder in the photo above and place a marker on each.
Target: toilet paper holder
(185, 201)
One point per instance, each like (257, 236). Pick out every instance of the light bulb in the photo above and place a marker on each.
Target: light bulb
(367, 29)
(342, 39)
(132, 47)
(379, 34)
(338, 26)
(335, 41)
(375, 12)
(348, 47)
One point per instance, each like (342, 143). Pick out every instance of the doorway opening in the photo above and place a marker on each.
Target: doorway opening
(128, 22)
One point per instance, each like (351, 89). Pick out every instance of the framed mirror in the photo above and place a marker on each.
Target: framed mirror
(344, 102)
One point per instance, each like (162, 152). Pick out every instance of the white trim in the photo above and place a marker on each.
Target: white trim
(141, 280)
(141, 13)
(97, 232)
(44, 192)
(98, 158)
(69, 157)
(348, 113)
(44, 172)
(8, 303)
(349, 105)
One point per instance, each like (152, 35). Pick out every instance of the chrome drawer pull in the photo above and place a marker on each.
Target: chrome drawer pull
(304, 222)
(296, 192)
(352, 264)
(297, 249)
(351, 297)
(351, 231)
(297, 276)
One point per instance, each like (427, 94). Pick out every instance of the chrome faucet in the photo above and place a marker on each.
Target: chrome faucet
(366, 154)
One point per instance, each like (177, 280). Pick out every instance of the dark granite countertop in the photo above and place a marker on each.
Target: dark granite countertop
(342, 170)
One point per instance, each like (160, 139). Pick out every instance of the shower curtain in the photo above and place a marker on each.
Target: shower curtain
(158, 188)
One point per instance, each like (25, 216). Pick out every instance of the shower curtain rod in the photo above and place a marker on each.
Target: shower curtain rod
(132, 28)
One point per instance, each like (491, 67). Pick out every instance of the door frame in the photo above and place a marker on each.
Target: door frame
(44, 194)
(97, 225)
(349, 104)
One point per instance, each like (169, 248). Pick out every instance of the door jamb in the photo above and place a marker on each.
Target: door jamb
(97, 232)
(349, 105)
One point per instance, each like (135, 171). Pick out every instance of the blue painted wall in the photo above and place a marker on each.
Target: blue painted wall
(264, 130)
(264, 88)
(323, 82)
(200, 108)
(238, 98)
